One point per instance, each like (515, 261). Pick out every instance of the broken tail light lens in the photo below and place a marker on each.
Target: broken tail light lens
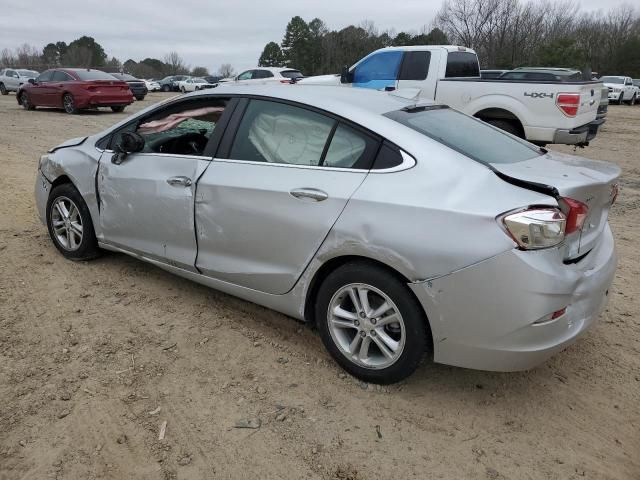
(568, 103)
(535, 228)
(576, 213)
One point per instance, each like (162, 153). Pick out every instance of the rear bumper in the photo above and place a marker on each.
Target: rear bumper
(580, 135)
(495, 325)
(90, 101)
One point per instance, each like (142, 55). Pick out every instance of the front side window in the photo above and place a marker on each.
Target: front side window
(11, 73)
(59, 76)
(183, 129)
(467, 135)
(245, 75)
(379, 69)
(462, 64)
(280, 133)
(262, 74)
(45, 76)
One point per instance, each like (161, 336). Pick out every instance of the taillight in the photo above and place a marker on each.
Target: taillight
(576, 213)
(568, 103)
(536, 227)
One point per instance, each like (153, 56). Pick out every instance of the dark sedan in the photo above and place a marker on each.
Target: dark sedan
(75, 89)
(137, 86)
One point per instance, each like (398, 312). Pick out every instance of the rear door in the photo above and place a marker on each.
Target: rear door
(414, 72)
(147, 201)
(12, 80)
(281, 179)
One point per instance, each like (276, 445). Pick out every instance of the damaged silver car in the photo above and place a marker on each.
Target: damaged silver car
(402, 230)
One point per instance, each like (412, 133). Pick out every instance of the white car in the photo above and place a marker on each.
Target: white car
(265, 75)
(193, 84)
(12, 78)
(539, 111)
(152, 85)
(621, 89)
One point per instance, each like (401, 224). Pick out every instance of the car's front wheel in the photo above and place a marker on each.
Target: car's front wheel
(3, 89)
(371, 323)
(69, 223)
(25, 102)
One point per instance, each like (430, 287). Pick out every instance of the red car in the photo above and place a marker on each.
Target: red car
(75, 89)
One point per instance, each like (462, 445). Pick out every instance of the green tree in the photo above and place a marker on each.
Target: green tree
(51, 54)
(295, 44)
(200, 72)
(85, 52)
(563, 52)
(402, 39)
(271, 56)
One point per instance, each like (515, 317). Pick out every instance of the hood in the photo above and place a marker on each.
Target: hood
(591, 182)
(321, 80)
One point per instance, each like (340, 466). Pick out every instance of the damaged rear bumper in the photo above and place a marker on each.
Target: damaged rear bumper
(493, 315)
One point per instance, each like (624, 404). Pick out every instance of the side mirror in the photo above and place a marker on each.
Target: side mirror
(126, 143)
(32, 81)
(346, 76)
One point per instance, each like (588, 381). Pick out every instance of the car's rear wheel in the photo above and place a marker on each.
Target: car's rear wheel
(69, 223)
(3, 89)
(166, 88)
(25, 102)
(506, 125)
(371, 323)
(633, 100)
(118, 109)
(140, 98)
(69, 104)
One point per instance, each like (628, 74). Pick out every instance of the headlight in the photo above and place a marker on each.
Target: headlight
(617, 90)
(535, 228)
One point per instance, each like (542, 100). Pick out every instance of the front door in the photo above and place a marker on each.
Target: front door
(147, 201)
(378, 70)
(264, 210)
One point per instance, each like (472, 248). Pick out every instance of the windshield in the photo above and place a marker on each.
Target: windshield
(291, 74)
(93, 75)
(612, 80)
(467, 135)
(28, 73)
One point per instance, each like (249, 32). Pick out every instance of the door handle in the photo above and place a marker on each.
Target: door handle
(312, 194)
(179, 181)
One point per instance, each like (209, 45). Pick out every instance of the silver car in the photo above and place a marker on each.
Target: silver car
(401, 230)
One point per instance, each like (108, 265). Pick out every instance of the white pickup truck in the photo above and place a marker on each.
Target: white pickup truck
(541, 111)
(12, 78)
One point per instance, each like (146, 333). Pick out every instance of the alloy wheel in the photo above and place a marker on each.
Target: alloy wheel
(366, 326)
(67, 223)
(69, 107)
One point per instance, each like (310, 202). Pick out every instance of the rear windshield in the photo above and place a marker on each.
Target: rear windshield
(291, 74)
(467, 135)
(612, 80)
(92, 75)
(462, 64)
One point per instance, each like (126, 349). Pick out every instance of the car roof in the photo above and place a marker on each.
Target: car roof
(271, 69)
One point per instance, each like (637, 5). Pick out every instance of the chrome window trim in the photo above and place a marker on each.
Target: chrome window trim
(292, 165)
(150, 154)
(407, 162)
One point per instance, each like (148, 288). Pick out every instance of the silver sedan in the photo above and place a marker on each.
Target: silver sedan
(401, 230)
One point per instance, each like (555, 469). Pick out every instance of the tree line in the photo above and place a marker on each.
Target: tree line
(85, 52)
(505, 34)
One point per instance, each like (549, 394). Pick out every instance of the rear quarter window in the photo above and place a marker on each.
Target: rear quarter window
(462, 64)
(467, 135)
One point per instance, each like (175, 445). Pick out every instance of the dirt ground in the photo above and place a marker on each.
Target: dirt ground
(95, 357)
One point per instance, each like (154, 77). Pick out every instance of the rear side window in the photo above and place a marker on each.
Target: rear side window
(93, 75)
(350, 149)
(262, 74)
(462, 64)
(415, 66)
(467, 135)
(291, 74)
(279, 133)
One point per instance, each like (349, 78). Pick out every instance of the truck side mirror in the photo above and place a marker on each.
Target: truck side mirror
(346, 76)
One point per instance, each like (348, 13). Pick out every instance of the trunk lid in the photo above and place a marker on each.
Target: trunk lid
(589, 101)
(106, 86)
(591, 182)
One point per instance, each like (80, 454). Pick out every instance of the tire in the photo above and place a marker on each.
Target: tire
(72, 245)
(3, 89)
(69, 105)
(633, 100)
(507, 126)
(410, 336)
(166, 88)
(25, 102)
(183, 90)
(621, 99)
(118, 109)
(140, 97)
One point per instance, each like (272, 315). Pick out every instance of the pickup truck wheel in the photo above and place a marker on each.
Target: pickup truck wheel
(633, 100)
(506, 125)
(621, 99)
(3, 89)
